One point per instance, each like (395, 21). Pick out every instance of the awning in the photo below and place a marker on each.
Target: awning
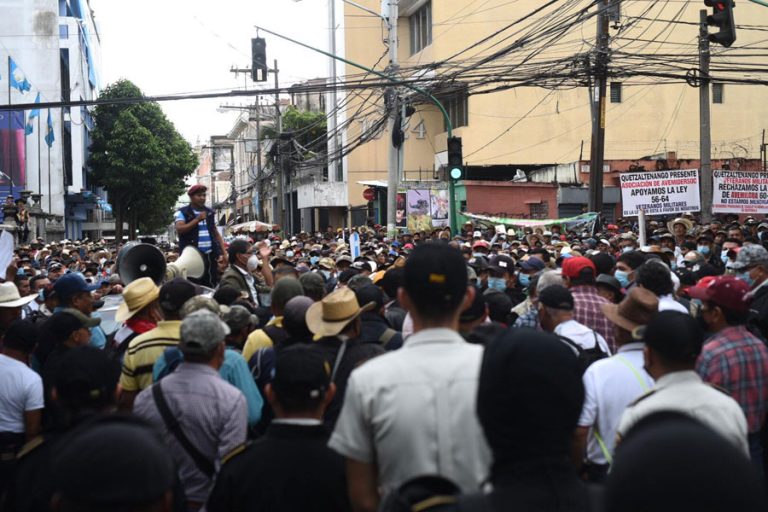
(254, 226)
(373, 183)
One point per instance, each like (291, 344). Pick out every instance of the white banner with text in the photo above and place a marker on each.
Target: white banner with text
(660, 192)
(739, 192)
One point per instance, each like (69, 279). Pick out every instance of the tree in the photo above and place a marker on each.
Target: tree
(309, 129)
(140, 159)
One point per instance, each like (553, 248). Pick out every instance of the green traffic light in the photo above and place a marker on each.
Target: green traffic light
(455, 173)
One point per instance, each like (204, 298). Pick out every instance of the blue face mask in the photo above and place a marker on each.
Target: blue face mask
(703, 249)
(314, 259)
(744, 276)
(724, 256)
(524, 280)
(497, 283)
(627, 248)
(622, 277)
(40, 295)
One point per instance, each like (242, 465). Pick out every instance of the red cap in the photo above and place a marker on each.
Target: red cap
(728, 292)
(196, 189)
(572, 267)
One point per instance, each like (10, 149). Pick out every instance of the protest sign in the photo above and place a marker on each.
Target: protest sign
(739, 192)
(660, 192)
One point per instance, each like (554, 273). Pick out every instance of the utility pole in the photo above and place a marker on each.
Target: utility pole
(333, 139)
(259, 177)
(705, 135)
(597, 151)
(280, 213)
(393, 167)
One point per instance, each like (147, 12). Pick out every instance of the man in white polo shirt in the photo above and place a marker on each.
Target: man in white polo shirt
(611, 384)
(411, 412)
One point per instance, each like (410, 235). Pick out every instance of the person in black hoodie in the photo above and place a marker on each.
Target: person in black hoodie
(291, 468)
(374, 326)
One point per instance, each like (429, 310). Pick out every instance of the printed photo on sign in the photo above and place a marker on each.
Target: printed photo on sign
(660, 192)
(418, 210)
(401, 219)
(739, 192)
(439, 208)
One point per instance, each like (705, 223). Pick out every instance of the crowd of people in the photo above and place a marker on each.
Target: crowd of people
(539, 369)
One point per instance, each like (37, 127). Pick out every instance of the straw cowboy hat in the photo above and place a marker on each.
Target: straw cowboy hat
(331, 315)
(680, 220)
(10, 298)
(136, 296)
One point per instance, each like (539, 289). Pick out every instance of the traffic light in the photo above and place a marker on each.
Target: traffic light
(455, 164)
(722, 17)
(259, 59)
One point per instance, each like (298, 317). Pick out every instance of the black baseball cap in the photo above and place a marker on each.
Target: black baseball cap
(87, 376)
(175, 293)
(557, 297)
(62, 324)
(301, 374)
(678, 337)
(436, 275)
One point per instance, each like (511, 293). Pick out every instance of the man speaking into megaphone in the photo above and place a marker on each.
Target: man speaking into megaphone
(196, 226)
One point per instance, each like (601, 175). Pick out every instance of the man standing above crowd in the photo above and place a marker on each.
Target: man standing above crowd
(733, 357)
(411, 412)
(196, 227)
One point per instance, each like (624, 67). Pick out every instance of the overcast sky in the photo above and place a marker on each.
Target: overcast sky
(175, 46)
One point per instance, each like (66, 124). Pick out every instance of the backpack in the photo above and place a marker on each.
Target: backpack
(585, 356)
(173, 358)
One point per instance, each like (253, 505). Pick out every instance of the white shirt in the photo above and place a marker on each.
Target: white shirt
(668, 303)
(249, 280)
(686, 393)
(412, 413)
(582, 335)
(610, 385)
(21, 390)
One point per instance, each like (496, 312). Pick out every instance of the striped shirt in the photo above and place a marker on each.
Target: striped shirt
(144, 350)
(212, 414)
(204, 241)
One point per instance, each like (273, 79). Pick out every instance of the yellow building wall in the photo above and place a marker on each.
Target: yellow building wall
(534, 125)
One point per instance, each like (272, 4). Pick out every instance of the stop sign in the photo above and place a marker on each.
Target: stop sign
(369, 194)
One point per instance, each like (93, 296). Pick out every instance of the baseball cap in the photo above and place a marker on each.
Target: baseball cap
(175, 293)
(750, 255)
(301, 375)
(435, 275)
(87, 376)
(572, 267)
(532, 264)
(62, 324)
(728, 292)
(201, 333)
(69, 285)
(676, 336)
(502, 263)
(557, 297)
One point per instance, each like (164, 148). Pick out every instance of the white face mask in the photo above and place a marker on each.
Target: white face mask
(253, 263)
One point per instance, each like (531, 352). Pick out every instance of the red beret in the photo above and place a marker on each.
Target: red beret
(196, 189)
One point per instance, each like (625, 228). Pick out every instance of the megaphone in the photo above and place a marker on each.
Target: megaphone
(137, 260)
(189, 264)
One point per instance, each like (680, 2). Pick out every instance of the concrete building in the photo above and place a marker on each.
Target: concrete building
(54, 46)
(531, 127)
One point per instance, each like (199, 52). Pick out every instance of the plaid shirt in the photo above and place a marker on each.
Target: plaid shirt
(528, 319)
(737, 361)
(587, 311)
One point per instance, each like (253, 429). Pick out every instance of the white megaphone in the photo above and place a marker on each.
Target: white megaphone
(189, 264)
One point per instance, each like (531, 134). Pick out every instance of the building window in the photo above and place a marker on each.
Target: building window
(63, 31)
(421, 28)
(717, 93)
(539, 210)
(456, 104)
(615, 92)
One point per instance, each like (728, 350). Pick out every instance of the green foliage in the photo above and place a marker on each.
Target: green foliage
(309, 129)
(139, 158)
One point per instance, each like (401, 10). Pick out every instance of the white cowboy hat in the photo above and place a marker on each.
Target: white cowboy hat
(136, 296)
(10, 298)
(329, 316)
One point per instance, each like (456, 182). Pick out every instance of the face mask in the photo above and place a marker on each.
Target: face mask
(628, 248)
(40, 295)
(477, 254)
(524, 280)
(253, 263)
(289, 254)
(724, 256)
(703, 249)
(314, 259)
(497, 283)
(326, 273)
(744, 276)
(622, 277)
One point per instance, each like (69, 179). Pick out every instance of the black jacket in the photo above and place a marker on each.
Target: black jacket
(376, 329)
(290, 469)
(758, 312)
(234, 278)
